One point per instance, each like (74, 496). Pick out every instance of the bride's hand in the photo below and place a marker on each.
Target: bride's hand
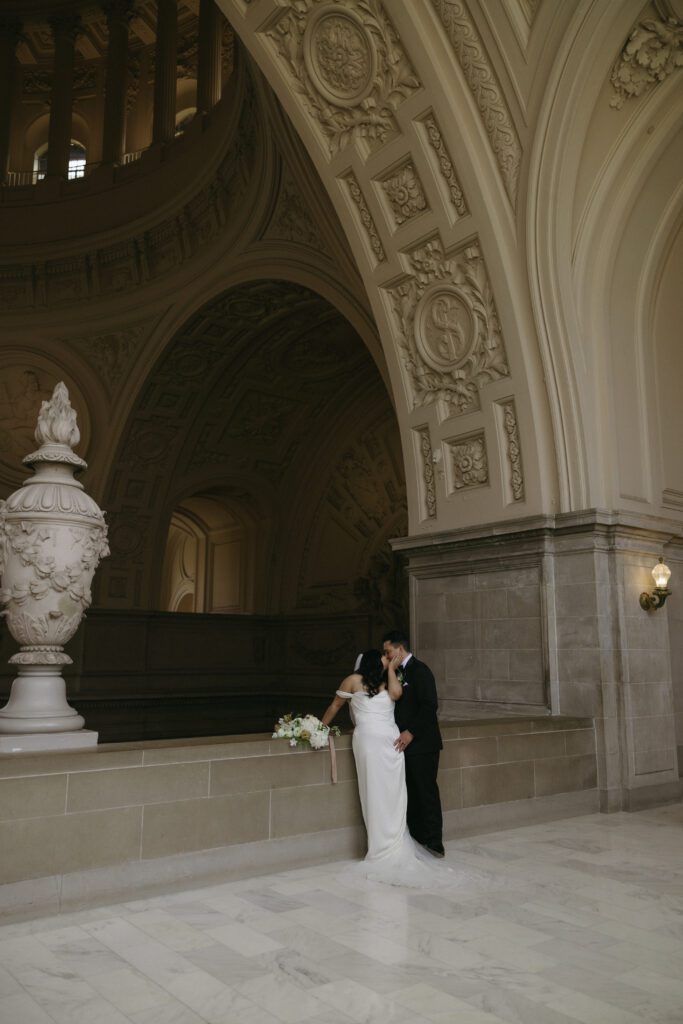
(385, 661)
(395, 662)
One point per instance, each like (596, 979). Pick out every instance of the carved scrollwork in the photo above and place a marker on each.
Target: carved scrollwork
(514, 452)
(451, 339)
(485, 88)
(653, 51)
(366, 217)
(446, 167)
(427, 455)
(348, 65)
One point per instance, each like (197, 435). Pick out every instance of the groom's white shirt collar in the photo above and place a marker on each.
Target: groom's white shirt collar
(406, 660)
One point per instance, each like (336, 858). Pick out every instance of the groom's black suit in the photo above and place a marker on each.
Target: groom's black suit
(416, 712)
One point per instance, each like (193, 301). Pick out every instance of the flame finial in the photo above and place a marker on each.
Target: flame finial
(57, 420)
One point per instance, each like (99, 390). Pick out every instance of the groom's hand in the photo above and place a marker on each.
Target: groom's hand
(404, 739)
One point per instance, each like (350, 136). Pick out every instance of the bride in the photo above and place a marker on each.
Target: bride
(393, 855)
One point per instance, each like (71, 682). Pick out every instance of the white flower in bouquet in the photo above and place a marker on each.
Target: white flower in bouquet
(304, 730)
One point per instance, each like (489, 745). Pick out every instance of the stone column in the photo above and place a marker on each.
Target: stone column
(9, 34)
(64, 31)
(114, 132)
(209, 56)
(166, 54)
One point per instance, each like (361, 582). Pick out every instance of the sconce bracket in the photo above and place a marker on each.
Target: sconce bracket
(655, 600)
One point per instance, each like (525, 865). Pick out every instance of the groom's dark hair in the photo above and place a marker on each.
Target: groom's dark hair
(397, 637)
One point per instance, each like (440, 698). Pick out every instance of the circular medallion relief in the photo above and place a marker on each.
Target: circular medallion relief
(339, 56)
(445, 329)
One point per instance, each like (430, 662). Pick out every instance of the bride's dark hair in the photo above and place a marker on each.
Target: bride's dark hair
(372, 671)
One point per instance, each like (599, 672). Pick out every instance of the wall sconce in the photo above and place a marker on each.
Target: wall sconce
(656, 599)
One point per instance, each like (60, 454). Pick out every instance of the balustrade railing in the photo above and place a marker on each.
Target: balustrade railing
(77, 169)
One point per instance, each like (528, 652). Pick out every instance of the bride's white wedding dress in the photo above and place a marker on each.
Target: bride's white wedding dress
(393, 855)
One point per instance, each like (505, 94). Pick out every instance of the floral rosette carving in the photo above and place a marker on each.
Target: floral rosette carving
(52, 537)
(450, 334)
(348, 66)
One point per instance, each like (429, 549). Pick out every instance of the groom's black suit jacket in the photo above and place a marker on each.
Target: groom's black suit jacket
(417, 708)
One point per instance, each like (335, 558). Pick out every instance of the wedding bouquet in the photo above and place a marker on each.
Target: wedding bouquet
(304, 730)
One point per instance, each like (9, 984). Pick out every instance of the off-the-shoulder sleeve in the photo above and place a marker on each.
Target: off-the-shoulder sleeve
(345, 694)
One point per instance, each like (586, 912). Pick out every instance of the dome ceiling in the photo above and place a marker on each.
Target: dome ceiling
(36, 48)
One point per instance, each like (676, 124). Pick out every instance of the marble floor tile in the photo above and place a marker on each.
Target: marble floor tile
(243, 939)
(129, 991)
(19, 1007)
(282, 999)
(567, 922)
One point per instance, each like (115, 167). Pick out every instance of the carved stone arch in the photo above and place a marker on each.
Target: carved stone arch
(569, 96)
(406, 169)
(572, 252)
(207, 401)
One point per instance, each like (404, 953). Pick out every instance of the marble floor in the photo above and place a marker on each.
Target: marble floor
(577, 920)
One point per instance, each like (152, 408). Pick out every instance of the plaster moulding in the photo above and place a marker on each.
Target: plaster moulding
(467, 463)
(348, 66)
(652, 52)
(404, 193)
(485, 88)
(365, 217)
(508, 430)
(112, 353)
(293, 220)
(423, 443)
(450, 337)
(28, 381)
(445, 165)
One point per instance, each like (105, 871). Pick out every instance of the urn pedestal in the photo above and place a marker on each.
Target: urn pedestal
(52, 536)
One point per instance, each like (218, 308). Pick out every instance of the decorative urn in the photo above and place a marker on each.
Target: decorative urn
(52, 537)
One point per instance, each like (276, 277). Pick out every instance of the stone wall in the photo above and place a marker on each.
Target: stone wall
(545, 614)
(126, 818)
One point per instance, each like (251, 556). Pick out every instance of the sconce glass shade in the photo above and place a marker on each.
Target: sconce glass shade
(661, 575)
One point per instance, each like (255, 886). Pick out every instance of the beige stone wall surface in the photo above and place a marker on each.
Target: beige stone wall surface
(123, 805)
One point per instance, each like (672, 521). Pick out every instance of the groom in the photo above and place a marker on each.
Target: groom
(420, 740)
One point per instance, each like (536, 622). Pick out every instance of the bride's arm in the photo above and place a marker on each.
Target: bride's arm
(393, 685)
(343, 694)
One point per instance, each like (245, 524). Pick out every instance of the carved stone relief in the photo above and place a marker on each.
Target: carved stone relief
(25, 386)
(653, 51)
(348, 65)
(404, 193)
(427, 457)
(507, 415)
(469, 465)
(451, 340)
(293, 220)
(363, 504)
(111, 354)
(236, 394)
(485, 87)
(446, 167)
(365, 217)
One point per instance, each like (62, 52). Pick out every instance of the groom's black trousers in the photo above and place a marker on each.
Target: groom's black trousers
(425, 822)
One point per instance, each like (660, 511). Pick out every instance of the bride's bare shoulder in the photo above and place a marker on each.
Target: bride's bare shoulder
(352, 683)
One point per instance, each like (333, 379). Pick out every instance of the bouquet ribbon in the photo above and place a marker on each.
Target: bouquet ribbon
(333, 760)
